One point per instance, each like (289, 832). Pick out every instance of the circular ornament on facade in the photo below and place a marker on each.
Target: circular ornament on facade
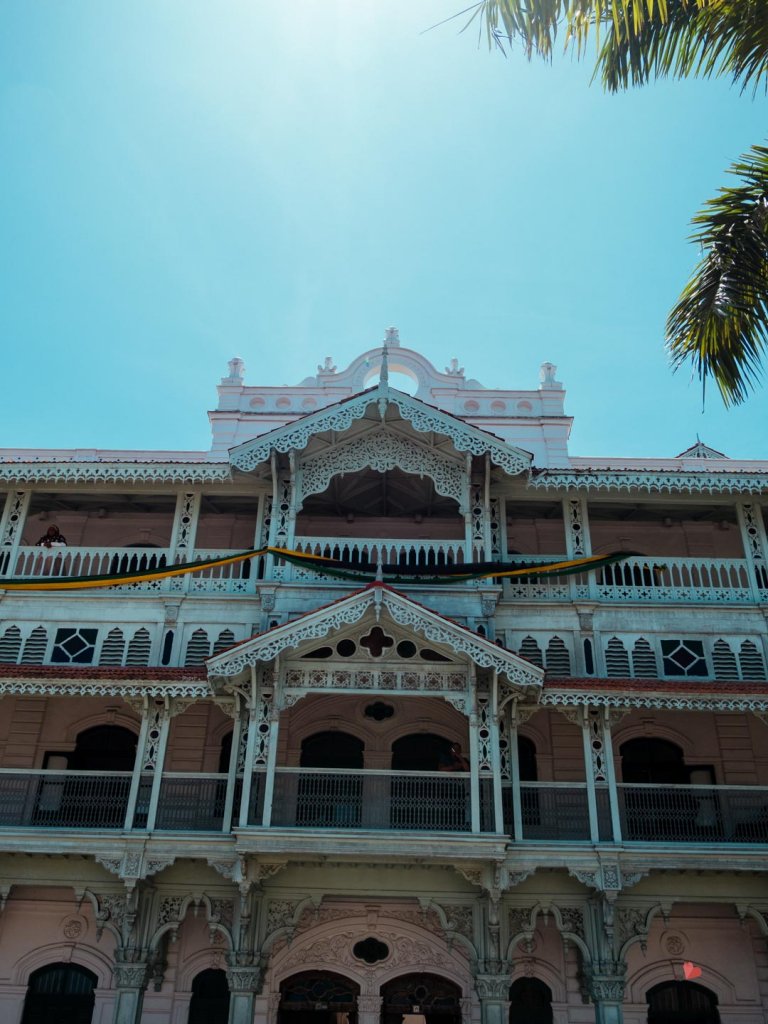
(674, 945)
(73, 928)
(370, 950)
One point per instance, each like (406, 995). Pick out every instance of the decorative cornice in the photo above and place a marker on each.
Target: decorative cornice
(71, 471)
(650, 481)
(673, 702)
(422, 417)
(52, 687)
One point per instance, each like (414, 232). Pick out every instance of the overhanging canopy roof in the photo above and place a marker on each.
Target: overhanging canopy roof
(423, 417)
(380, 599)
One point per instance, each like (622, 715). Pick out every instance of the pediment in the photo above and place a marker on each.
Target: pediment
(385, 405)
(438, 642)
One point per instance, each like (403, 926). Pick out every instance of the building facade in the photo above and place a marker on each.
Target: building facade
(263, 792)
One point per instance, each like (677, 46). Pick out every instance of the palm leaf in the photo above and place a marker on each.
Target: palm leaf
(720, 322)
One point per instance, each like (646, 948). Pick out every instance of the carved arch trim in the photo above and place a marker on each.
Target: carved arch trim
(78, 954)
(543, 971)
(639, 982)
(381, 450)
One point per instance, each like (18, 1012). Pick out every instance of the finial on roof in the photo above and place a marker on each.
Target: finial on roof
(547, 379)
(236, 371)
(384, 375)
(392, 337)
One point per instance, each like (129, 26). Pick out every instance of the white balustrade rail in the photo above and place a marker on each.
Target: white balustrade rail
(366, 799)
(693, 814)
(713, 580)
(55, 799)
(390, 551)
(86, 561)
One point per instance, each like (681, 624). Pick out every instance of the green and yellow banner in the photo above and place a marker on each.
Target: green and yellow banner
(360, 572)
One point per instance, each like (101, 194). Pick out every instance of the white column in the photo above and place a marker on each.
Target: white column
(133, 794)
(185, 526)
(160, 744)
(11, 528)
(269, 781)
(755, 546)
(514, 774)
(234, 752)
(245, 793)
(474, 777)
(610, 775)
(586, 733)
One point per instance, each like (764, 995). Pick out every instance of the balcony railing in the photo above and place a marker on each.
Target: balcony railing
(643, 579)
(693, 814)
(392, 801)
(45, 799)
(317, 798)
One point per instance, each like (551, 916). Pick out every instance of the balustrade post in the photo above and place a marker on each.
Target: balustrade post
(232, 767)
(755, 546)
(133, 793)
(590, 771)
(513, 761)
(184, 533)
(474, 771)
(154, 755)
(578, 543)
(12, 524)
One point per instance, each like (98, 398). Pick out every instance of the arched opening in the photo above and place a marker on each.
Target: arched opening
(682, 1002)
(210, 998)
(429, 794)
(366, 509)
(104, 748)
(647, 759)
(420, 752)
(657, 801)
(526, 759)
(330, 799)
(318, 997)
(420, 999)
(60, 994)
(529, 795)
(530, 1002)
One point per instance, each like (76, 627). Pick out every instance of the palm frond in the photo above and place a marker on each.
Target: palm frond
(642, 39)
(720, 322)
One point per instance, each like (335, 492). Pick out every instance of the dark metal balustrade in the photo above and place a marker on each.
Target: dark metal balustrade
(693, 814)
(42, 799)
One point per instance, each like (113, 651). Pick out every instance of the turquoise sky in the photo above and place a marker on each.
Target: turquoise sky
(185, 181)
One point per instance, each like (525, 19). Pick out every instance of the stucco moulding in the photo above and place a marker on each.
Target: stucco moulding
(96, 688)
(422, 417)
(669, 701)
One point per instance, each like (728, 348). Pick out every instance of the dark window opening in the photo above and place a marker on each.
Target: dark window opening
(210, 998)
(332, 750)
(317, 997)
(60, 994)
(420, 752)
(530, 1001)
(436, 999)
(682, 1002)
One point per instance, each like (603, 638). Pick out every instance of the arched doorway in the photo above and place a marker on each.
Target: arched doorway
(318, 997)
(651, 760)
(327, 799)
(60, 994)
(430, 795)
(530, 1002)
(210, 998)
(682, 1002)
(420, 999)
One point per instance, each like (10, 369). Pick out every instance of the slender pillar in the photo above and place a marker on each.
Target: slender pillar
(157, 741)
(234, 755)
(133, 794)
(755, 546)
(493, 990)
(271, 755)
(244, 984)
(589, 771)
(514, 774)
(250, 747)
(605, 984)
(610, 775)
(131, 983)
(474, 776)
(11, 528)
(369, 1009)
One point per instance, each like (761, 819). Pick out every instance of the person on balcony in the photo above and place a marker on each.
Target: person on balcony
(453, 760)
(52, 538)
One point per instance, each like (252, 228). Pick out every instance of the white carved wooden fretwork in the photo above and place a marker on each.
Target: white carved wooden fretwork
(755, 544)
(127, 688)
(156, 714)
(13, 518)
(651, 481)
(187, 510)
(479, 515)
(403, 611)
(484, 752)
(494, 514)
(436, 680)
(596, 745)
(338, 418)
(577, 540)
(380, 450)
(261, 722)
(563, 700)
(72, 471)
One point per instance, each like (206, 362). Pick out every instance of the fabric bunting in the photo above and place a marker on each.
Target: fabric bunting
(361, 572)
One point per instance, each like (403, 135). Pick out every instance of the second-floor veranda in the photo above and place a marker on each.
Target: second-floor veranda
(676, 552)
